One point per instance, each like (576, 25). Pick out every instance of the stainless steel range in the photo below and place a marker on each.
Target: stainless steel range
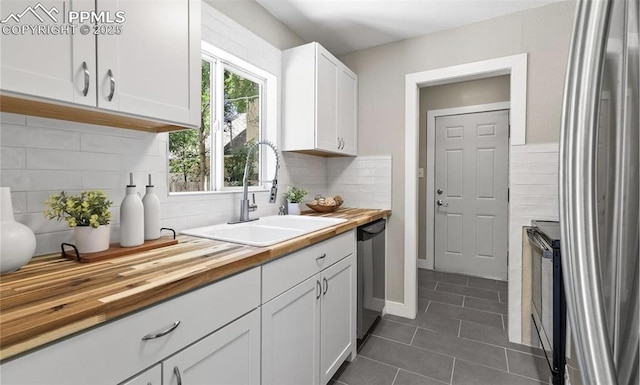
(548, 302)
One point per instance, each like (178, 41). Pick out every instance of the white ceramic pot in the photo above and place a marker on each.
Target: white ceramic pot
(17, 241)
(293, 208)
(91, 240)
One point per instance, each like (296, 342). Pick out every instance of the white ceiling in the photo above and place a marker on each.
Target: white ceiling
(350, 25)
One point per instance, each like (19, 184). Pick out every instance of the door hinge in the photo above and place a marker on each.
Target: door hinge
(508, 195)
(509, 132)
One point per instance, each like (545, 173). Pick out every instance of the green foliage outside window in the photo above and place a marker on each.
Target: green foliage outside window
(190, 150)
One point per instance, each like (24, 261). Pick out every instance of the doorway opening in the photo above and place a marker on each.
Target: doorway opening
(516, 67)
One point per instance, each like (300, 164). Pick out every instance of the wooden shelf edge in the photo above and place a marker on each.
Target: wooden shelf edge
(81, 114)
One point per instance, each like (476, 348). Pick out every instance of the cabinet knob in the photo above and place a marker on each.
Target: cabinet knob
(318, 290)
(326, 286)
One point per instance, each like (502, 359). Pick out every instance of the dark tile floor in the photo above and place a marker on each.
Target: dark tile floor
(459, 337)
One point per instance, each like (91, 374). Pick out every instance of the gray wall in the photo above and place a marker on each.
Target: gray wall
(258, 20)
(544, 33)
(470, 93)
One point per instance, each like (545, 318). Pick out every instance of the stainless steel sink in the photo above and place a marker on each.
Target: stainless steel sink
(265, 231)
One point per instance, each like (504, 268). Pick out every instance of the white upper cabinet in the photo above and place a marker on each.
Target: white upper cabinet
(60, 67)
(153, 67)
(143, 68)
(319, 102)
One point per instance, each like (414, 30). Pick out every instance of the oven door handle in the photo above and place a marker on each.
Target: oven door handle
(540, 243)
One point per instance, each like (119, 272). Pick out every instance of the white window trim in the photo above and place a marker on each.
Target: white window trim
(269, 119)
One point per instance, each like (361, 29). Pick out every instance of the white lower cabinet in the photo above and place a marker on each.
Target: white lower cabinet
(337, 316)
(309, 330)
(291, 336)
(230, 356)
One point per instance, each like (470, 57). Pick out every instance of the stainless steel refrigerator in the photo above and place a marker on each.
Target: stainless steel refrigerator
(599, 175)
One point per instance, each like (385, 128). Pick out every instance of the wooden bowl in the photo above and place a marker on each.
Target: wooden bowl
(322, 209)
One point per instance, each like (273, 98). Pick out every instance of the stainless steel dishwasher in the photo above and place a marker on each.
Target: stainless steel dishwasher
(371, 276)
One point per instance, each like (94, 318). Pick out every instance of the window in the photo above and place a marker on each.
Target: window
(212, 157)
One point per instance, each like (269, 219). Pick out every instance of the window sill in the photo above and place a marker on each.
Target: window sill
(219, 192)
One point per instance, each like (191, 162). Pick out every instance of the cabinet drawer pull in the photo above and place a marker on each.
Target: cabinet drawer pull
(176, 371)
(87, 78)
(152, 336)
(320, 258)
(112, 85)
(326, 286)
(318, 290)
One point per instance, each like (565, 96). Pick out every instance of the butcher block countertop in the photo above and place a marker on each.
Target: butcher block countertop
(52, 297)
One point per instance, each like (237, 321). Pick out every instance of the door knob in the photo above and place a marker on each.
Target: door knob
(440, 202)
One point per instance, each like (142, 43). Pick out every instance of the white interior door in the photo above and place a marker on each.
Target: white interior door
(471, 193)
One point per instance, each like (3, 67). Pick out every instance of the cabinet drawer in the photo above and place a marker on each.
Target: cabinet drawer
(286, 272)
(110, 353)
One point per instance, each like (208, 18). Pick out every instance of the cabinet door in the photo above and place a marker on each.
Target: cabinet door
(151, 376)
(326, 102)
(290, 336)
(155, 62)
(348, 110)
(27, 67)
(230, 356)
(338, 316)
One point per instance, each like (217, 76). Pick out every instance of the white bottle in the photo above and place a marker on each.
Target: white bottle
(131, 218)
(151, 205)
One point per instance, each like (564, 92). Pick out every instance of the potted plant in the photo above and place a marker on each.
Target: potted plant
(87, 213)
(294, 196)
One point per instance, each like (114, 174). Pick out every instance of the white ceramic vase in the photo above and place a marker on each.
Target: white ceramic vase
(293, 208)
(91, 240)
(17, 241)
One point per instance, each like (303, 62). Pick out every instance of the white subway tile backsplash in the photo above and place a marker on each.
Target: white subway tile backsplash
(12, 158)
(40, 159)
(96, 179)
(37, 180)
(36, 137)
(96, 143)
(552, 148)
(543, 168)
(50, 242)
(36, 223)
(9, 118)
(530, 157)
(364, 181)
(537, 179)
(19, 202)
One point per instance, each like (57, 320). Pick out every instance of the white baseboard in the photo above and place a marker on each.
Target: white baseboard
(399, 309)
(422, 264)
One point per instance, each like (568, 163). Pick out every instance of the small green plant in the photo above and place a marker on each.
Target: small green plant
(89, 208)
(294, 194)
